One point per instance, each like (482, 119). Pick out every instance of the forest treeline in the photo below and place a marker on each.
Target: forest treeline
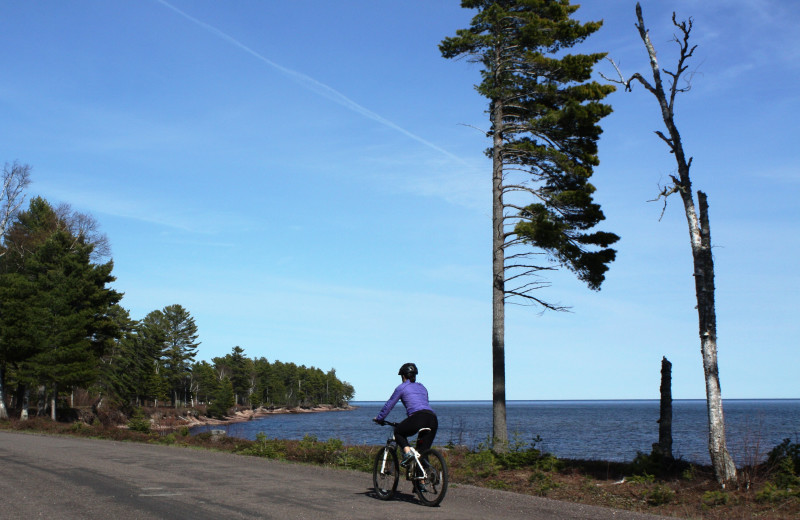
(62, 329)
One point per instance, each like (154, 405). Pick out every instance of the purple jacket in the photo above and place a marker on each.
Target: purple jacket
(413, 395)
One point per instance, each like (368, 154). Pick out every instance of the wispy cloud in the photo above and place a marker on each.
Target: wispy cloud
(312, 84)
(147, 209)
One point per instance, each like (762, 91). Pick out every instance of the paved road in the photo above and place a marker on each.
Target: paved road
(71, 478)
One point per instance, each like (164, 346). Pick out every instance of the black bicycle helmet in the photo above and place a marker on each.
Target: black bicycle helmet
(409, 371)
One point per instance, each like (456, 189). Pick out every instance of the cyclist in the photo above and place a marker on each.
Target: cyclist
(419, 413)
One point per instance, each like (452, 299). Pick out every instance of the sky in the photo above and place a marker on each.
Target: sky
(307, 179)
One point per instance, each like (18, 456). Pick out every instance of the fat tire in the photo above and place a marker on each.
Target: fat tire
(436, 487)
(385, 484)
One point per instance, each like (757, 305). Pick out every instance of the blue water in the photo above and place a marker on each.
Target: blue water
(605, 430)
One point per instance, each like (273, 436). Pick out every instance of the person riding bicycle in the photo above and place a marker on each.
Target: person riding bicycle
(419, 413)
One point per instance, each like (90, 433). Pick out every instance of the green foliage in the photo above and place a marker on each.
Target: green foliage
(497, 484)
(55, 306)
(647, 464)
(542, 482)
(659, 495)
(222, 400)
(644, 478)
(544, 111)
(312, 450)
(772, 493)
(138, 422)
(715, 498)
(177, 332)
(784, 461)
(282, 384)
(267, 448)
(784, 476)
(486, 463)
(168, 439)
(482, 464)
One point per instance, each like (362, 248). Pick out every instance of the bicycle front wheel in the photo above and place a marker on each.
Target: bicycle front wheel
(385, 473)
(431, 486)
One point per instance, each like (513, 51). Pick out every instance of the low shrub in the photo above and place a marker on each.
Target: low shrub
(542, 483)
(784, 463)
(715, 498)
(138, 422)
(659, 495)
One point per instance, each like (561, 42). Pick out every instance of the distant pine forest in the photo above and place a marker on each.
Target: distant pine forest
(65, 340)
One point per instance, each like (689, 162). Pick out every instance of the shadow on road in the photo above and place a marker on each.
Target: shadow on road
(399, 496)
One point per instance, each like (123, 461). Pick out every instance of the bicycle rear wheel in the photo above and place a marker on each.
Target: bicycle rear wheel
(432, 487)
(385, 473)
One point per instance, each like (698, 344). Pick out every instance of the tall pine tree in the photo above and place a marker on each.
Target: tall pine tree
(543, 122)
(57, 304)
(180, 349)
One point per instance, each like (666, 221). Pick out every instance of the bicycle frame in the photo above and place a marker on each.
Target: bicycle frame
(391, 443)
(427, 472)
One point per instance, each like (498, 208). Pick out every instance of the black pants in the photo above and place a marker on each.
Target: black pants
(412, 424)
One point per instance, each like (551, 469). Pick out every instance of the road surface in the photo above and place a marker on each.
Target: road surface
(72, 478)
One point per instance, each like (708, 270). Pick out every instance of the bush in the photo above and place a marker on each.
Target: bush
(310, 449)
(265, 447)
(542, 483)
(659, 495)
(715, 498)
(784, 461)
(641, 479)
(138, 422)
(482, 464)
(771, 493)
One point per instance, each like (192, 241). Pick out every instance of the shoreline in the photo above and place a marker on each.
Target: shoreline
(249, 414)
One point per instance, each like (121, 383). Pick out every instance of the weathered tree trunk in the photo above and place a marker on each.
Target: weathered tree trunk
(26, 400)
(700, 237)
(41, 396)
(3, 410)
(664, 446)
(499, 427)
(53, 401)
(724, 467)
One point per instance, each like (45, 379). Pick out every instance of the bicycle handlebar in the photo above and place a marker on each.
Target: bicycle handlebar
(390, 423)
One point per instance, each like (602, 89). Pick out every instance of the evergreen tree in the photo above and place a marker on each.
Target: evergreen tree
(543, 113)
(173, 333)
(16, 178)
(57, 308)
(205, 381)
(72, 311)
(126, 366)
(222, 400)
(240, 375)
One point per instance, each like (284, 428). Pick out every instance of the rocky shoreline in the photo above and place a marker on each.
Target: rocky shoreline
(248, 414)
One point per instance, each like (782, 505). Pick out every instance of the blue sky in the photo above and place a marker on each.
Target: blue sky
(307, 178)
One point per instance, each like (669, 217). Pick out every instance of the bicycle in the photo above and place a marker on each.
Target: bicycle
(427, 472)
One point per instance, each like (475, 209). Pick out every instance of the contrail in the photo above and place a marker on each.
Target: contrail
(312, 84)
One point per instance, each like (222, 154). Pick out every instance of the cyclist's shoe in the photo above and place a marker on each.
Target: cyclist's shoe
(422, 487)
(407, 458)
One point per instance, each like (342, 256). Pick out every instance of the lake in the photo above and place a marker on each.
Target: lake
(605, 430)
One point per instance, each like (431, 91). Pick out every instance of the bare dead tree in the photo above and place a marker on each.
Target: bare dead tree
(664, 445)
(16, 177)
(84, 228)
(699, 228)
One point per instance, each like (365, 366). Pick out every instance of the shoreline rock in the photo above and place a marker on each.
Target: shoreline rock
(250, 414)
